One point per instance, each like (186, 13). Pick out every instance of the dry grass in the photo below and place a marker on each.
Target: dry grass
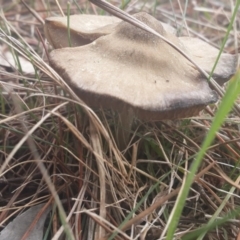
(53, 148)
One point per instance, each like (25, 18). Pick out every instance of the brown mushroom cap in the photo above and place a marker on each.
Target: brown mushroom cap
(87, 28)
(131, 67)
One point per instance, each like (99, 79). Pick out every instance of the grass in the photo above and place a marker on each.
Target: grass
(177, 179)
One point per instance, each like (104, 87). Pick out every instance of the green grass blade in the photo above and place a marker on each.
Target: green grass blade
(225, 38)
(68, 25)
(225, 107)
(194, 234)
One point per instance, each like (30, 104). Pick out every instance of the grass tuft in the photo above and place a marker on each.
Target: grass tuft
(175, 179)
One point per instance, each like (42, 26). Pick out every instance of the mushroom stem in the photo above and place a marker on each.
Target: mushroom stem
(125, 118)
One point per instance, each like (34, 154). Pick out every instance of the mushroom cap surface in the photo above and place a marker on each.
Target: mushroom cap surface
(84, 29)
(133, 68)
(87, 28)
(205, 56)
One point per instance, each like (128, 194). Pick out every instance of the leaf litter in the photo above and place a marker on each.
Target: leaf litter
(156, 152)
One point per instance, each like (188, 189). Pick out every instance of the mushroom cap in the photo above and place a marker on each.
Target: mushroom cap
(133, 68)
(87, 28)
(84, 29)
(205, 56)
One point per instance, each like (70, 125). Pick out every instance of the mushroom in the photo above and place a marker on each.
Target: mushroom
(205, 56)
(84, 29)
(87, 28)
(135, 70)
